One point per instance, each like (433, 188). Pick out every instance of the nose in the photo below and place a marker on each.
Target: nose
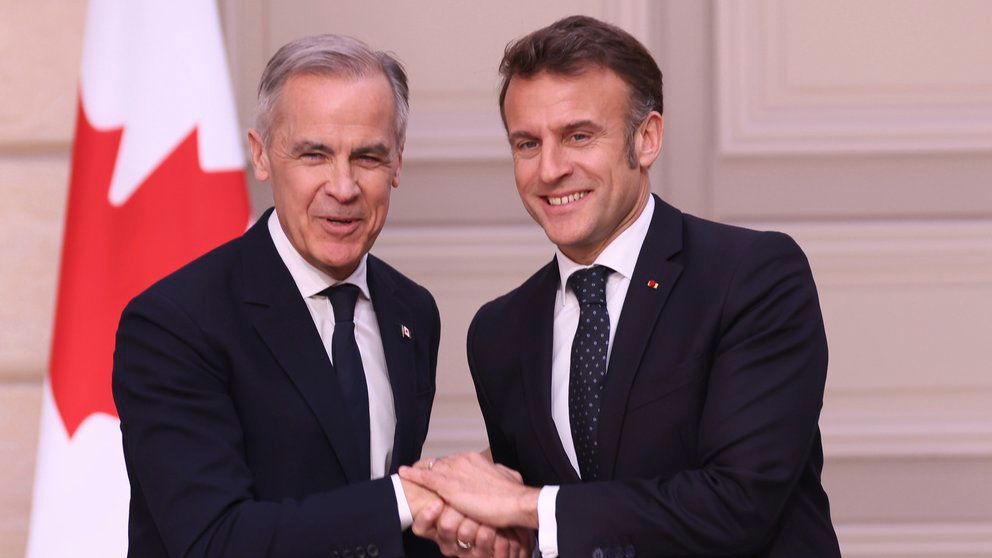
(554, 164)
(340, 183)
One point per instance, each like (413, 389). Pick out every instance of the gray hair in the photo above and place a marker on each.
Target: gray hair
(330, 55)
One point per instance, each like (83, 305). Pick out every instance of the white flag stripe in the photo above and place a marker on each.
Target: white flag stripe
(80, 491)
(158, 69)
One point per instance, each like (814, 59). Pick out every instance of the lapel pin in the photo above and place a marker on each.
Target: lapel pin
(405, 332)
(652, 284)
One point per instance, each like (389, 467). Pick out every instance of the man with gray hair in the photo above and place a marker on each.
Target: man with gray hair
(269, 390)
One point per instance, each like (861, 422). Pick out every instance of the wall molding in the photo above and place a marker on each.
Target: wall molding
(841, 253)
(478, 135)
(901, 540)
(856, 423)
(760, 113)
(907, 424)
(848, 434)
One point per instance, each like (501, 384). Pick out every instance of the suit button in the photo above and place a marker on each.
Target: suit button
(629, 552)
(359, 552)
(372, 550)
(597, 553)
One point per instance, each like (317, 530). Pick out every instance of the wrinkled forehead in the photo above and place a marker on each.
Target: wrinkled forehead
(550, 99)
(336, 105)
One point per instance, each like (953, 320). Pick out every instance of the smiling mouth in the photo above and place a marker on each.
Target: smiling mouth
(563, 200)
(339, 221)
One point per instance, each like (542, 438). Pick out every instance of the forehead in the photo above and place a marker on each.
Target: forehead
(555, 99)
(320, 104)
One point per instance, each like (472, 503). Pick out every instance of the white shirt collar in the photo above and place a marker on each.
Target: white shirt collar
(310, 280)
(620, 255)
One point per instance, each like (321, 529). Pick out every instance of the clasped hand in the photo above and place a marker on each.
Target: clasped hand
(471, 506)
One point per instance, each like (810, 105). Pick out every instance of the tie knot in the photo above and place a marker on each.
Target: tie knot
(589, 285)
(343, 297)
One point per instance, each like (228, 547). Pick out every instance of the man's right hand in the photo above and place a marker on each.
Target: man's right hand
(419, 498)
(457, 535)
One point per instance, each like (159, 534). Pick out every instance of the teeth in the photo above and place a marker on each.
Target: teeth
(566, 199)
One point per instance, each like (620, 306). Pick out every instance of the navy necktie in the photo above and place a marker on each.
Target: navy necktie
(588, 367)
(348, 364)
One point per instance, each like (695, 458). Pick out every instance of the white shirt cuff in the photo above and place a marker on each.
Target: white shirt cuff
(547, 523)
(406, 516)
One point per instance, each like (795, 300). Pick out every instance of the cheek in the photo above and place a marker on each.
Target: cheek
(523, 174)
(377, 198)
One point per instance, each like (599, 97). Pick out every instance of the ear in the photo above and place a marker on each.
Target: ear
(648, 140)
(399, 166)
(259, 158)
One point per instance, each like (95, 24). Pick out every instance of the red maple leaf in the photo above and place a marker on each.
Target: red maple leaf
(110, 254)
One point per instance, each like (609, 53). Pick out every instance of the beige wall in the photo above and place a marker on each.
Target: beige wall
(863, 128)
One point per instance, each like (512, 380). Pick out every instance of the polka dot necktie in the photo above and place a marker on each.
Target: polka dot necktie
(348, 363)
(588, 367)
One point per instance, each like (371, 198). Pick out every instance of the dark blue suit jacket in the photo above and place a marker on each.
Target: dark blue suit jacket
(236, 438)
(708, 433)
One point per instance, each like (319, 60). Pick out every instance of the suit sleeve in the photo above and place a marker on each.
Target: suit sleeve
(185, 450)
(758, 425)
(501, 449)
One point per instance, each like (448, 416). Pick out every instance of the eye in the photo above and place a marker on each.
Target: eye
(314, 156)
(526, 145)
(368, 160)
(579, 137)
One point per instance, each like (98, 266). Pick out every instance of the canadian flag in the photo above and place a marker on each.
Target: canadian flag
(157, 179)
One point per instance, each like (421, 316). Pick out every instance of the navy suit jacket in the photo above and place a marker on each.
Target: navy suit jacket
(708, 438)
(236, 438)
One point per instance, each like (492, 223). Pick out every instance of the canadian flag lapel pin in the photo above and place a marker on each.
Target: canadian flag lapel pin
(405, 332)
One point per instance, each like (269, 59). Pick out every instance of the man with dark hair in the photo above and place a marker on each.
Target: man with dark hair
(660, 379)
(269, 390)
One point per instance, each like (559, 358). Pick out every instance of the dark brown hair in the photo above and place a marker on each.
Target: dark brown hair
(574, 44)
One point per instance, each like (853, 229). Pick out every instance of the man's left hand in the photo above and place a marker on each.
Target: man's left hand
(488, 493)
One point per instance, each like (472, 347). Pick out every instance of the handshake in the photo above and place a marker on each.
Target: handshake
(471, 506)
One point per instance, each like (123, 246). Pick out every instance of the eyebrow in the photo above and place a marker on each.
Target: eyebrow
(380, 149)
(306, 146)
(567, 128)
(518, 135)
(580, 124)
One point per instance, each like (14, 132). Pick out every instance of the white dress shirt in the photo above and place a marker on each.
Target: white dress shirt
(620, 256)
(382, 414)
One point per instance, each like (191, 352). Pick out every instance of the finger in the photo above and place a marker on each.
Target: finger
(467, 530)
(484, 539)
(501, 546)
(423, 477)
(514, 545)
(488, 454)
(447, 526)
(424, 463)
(448, 549)
(424, 522)
(527, 540)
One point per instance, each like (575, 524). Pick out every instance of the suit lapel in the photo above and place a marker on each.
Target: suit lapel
(282, 320)
(640, 313)
(536, 342)
(392, 314)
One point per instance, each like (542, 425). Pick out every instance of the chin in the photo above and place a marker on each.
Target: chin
(566, 235)
(340, 261)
